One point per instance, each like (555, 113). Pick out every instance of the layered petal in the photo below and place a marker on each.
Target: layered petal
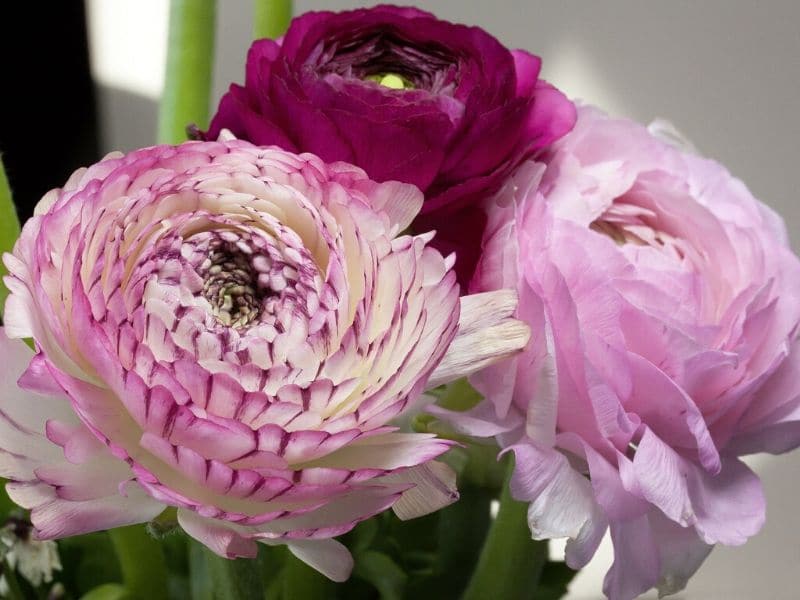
(663, 305)
(231, 330)
(406, 97)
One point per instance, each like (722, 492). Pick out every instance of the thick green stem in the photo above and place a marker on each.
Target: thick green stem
(271, 18)
(144, 570)
(510, 563)
(9, 229)
(301, 581)
(190, 59)
(232, 579)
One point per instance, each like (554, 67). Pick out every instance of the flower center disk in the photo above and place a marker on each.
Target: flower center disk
(235, 275)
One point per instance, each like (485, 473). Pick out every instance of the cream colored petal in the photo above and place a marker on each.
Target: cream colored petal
(487, 332)
(434, 488)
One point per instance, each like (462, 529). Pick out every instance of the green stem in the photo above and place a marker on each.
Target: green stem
(190, 59)
(141, 558)
(301, 581)
(233, 579)
(9, 229)
(511, 562)
(271, 18)
(14, 590)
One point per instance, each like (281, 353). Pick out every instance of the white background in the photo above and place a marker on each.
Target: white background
(726, 72)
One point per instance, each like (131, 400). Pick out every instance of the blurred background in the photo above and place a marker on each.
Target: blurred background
(87, 80)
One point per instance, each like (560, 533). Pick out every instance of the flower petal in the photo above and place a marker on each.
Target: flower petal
(486, 333)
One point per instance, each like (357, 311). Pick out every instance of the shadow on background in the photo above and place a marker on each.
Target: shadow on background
(128, 120)
(48, 121)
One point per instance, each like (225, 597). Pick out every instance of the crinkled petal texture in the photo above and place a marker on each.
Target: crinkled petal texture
(664, 303)
(462, 112)
(225, 329)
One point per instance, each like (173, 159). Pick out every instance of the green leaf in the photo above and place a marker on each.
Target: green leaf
(190, 60)
(88, 561)
(9, 229)
(271, 18)
(109, 591)
(383, 573)
(6, 504)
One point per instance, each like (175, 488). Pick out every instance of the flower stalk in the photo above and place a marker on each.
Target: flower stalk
(510, 563)
(301, 581)
(271, 18)
(190, 59)
(230, 579)
(142, 561)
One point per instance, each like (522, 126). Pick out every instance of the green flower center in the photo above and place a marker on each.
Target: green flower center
(392, 81)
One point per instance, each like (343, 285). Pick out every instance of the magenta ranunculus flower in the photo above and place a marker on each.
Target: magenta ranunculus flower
(406, 97)
(229, 330)
(664, 303)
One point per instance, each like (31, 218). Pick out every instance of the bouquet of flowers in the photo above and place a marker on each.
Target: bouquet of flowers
(396, 315)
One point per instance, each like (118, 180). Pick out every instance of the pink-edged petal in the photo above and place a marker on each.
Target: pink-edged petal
(23, 417)
(387, 451)
(220, 537)
(400, 201)
(55, 518)
(37, 377)
(340, 515)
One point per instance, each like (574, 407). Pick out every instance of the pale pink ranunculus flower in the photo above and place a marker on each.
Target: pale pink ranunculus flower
(664, 304)
(230, 330)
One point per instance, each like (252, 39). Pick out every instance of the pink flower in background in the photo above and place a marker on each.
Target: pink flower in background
(229, 330)
(664, 303)
(404, 96)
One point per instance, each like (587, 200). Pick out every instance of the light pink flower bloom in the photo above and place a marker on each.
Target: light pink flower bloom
(664, 304)
(229, 330)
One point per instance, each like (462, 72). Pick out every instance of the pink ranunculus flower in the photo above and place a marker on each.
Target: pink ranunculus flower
(664, 303)
(229, 330)
(405, 96)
